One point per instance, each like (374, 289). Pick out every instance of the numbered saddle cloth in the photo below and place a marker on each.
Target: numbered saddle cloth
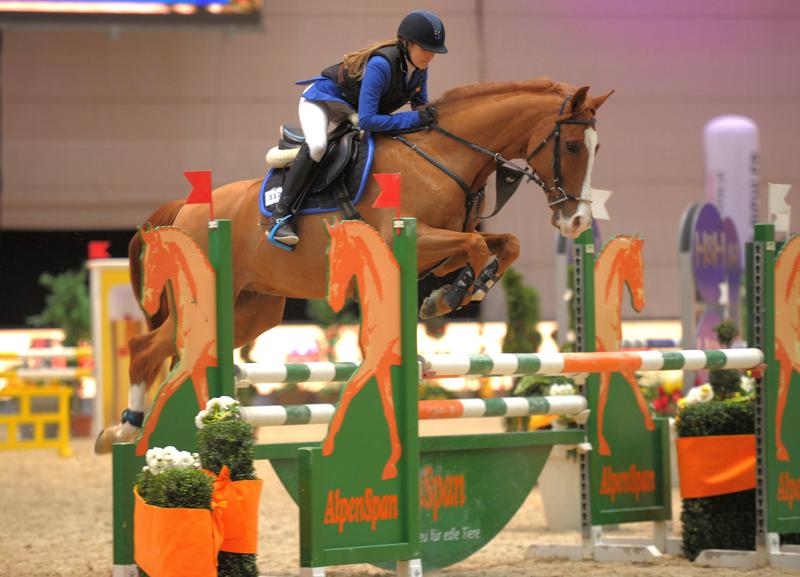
(347, 161)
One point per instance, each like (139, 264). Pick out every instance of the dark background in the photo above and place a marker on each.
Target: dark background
(25, 255)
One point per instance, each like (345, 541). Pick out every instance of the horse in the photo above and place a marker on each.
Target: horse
(357, 252)
(175, 267)
(619, 264)
(444, 171)
(787, 331)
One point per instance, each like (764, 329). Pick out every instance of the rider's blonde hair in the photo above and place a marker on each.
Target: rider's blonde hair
(356, 62)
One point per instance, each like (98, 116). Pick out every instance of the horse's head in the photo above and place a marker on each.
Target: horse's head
(154, 271)
(563, 158)
(340, 264)
(632, 270)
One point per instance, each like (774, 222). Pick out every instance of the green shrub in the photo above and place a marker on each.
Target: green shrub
(227, 442)
(177, 488)
(723, 521)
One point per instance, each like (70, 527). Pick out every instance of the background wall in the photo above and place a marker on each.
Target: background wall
(98, 124)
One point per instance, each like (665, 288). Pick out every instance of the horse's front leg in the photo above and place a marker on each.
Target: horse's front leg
(505, 247)
(467, 251)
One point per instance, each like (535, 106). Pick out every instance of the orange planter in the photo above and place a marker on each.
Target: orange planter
(185, 542)
(176, 542)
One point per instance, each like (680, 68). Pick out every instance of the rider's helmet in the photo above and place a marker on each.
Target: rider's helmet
(425, 29)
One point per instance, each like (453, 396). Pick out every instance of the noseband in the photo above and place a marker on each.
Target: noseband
(509, 171)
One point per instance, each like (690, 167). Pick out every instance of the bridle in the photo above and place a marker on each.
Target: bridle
(510, 174)
(558, 179)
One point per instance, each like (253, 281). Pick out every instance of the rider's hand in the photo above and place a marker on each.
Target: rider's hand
(428, 117)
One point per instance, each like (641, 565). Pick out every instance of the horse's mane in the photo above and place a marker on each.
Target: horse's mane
(541, 85)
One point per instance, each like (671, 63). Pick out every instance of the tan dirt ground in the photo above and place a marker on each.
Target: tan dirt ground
(55, 520)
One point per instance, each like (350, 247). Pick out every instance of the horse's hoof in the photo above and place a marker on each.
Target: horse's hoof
(327, 447)
(121, 433)
(604, 449)
(781, 454)
(434, 304)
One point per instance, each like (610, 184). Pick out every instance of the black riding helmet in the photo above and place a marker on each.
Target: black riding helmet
(425, 29)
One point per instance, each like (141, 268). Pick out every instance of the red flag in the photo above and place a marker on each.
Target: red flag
(99, 249)
(201, 189)
(390, 192)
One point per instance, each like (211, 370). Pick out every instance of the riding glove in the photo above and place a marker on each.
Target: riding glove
(428, 117)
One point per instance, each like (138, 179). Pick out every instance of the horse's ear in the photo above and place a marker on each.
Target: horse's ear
(578, 99)
(598, 101)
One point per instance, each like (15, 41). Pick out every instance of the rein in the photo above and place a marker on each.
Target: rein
(509, 174)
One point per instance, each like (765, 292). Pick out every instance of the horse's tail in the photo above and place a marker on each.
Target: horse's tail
(164, 215)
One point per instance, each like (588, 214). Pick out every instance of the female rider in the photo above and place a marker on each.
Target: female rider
(375, 81)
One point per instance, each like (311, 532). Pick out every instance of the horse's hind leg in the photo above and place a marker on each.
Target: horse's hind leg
(255, 313)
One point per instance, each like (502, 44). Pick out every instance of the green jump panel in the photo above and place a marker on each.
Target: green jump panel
(461, 508)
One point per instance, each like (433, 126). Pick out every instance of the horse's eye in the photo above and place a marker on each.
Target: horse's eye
(574, 147)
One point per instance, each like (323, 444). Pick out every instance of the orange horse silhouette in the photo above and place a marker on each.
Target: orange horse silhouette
(171, 260)
(787, 330)
(357, 251)
(620, 263)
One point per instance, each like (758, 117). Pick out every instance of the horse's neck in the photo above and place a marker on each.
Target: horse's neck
(500, 124)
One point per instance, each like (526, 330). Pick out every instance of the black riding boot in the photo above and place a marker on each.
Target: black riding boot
(297, 179)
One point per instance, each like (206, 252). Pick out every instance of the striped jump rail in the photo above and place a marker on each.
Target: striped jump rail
(275, 415)
(439, 366)
(507, 364)
(247, 373)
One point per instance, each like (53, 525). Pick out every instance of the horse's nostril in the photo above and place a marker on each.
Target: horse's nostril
(576, 221)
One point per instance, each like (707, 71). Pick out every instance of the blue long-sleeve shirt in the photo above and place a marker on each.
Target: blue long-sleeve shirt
(376, 83)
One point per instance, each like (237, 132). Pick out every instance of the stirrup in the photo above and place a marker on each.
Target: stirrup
(271, 236)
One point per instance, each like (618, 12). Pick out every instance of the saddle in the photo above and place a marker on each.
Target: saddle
(340, 180)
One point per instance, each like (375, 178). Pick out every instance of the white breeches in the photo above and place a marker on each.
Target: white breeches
(315, 117)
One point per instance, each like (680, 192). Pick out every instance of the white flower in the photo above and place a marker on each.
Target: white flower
(198, 420)
(706, 393)
(169, 455)
(226, 402)
(558, 390)
(747, 384)
(702, 394)
(152, 456)
(185, 459)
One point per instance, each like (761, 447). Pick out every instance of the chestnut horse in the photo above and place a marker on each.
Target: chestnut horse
(551, 125)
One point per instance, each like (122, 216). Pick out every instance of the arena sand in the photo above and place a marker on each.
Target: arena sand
(55, 520)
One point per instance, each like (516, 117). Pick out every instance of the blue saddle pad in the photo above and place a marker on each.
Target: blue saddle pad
(355, 179)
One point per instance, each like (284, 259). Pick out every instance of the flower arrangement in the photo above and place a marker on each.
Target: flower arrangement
(220, 479)
(173, 479)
